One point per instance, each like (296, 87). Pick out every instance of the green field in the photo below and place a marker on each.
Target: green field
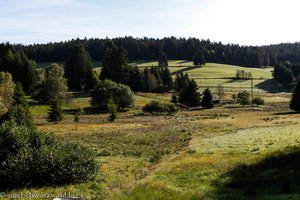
(229, 152)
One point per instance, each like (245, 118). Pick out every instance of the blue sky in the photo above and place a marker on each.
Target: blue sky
(253, 22)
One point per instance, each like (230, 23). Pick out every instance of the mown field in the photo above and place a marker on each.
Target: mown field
(229, 152)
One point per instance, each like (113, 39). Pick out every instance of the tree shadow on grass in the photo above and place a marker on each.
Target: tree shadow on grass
(277, 175)
(185, 70)
(271, 86)
(287, 113)
(184, 61)
(235, 80)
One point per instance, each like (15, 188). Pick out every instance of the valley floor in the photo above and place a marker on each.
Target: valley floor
(229, 152)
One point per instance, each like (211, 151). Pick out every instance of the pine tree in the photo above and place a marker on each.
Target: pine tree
(162, 59)
(199, 59)
(295, 100)
(79, 69)
(114, 64)
(19, 95)
(55, 113)
(189, 95)
(167, 79)
(19, 111)
(207, 99)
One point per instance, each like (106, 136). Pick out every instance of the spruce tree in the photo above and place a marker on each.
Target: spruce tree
(55, 113)
(189, 95)
(19, 111)
(19, 95)
(207, 99)
(162, 59)
(167, 79)
(199, 59)
(114, 64)
(295, 100)
(79, 69)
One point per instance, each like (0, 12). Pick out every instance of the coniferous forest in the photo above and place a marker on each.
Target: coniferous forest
(175, 49)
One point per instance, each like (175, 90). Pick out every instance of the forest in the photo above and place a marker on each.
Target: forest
(175, 49)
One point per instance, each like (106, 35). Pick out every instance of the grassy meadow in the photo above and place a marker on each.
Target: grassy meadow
(229, 152)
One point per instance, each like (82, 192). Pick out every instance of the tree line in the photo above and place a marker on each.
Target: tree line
(174, 48)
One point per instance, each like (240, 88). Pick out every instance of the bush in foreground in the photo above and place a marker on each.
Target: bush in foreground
(32, 158)
(156, 107)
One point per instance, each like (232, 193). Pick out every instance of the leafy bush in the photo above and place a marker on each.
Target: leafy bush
(108, 91)
(29, 157)
(258, 101)
(244, 98)
(156, 107)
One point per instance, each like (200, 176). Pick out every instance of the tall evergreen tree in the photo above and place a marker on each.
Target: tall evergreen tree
(22, 69)
(162, 59)
(207, 99)
(79, 69)
(135, 80)
(181, 81)
(19, 95)
(199, 59)
(114, 64)
(19, 111)
(167, 79)
(295, 100)
(189, 95)
(55, 113)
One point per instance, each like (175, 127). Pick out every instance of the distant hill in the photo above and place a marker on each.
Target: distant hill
(174, 48)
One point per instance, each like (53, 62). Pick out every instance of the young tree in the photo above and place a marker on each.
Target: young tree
(207, 99)
(189, 95)
(199, 59)
(244, 98)
(55, 113)
(54, 87)
(79, 69)
(19, 111)
(295, 100)
(113, 111)
(162, 59)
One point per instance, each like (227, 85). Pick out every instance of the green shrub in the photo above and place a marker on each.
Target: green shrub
(32, 158)
(108, 91)
(258, 101)
(113, 112)
(156, 107)
(243, 98)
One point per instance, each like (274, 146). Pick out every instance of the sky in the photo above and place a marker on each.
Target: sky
(244, 22)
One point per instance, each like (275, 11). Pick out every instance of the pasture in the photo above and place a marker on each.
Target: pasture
(229, 152)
